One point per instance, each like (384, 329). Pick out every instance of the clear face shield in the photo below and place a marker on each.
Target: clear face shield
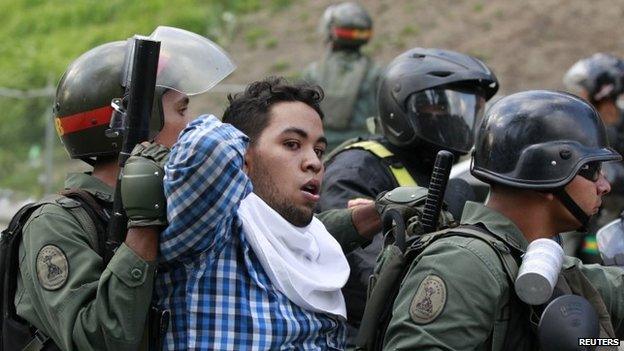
(188, 63)
(446, 117)
(610, 240)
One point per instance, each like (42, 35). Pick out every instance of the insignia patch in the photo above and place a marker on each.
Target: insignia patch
(52, 267)
(429, 300)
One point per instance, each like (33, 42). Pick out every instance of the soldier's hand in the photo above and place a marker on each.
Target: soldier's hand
(142, 191)
(403, 199)
(360, 201)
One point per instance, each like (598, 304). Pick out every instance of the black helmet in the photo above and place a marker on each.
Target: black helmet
(421, 81)
(347, 25)
(540, 140)
(82, 109)
(599, 76)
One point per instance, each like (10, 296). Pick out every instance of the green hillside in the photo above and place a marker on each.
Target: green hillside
(41, 37)
(529, 44)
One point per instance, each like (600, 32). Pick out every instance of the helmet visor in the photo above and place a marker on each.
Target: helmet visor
(610, 240)
(189, 63)
(445, 117)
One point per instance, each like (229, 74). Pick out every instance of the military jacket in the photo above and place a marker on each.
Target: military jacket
(357, 173)
(349, 80)
(457, 296)
(65, 290)
(339, 224)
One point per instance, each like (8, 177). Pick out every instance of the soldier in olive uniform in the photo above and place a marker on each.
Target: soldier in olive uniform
(65, 290)
(541, 152)
(348, 77)
(599, 80)
(441, 96)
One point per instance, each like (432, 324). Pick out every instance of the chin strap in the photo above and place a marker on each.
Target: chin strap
(576, 211)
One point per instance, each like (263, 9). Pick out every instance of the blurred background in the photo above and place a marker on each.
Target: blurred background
(529, 44)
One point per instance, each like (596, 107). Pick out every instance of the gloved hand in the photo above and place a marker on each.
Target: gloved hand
(142, 191)
(410, 202)
(403, 199)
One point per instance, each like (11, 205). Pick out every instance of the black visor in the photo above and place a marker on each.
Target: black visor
(445, 117)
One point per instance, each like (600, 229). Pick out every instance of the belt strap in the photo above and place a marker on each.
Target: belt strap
(38, 342)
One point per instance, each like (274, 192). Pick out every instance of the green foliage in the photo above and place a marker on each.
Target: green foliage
(409, 31)
(303, 16)
(41, 37)
(253, 35)
(279, 66)
(277, 5)
(271, 43)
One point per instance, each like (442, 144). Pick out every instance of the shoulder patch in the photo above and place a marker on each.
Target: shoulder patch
(429, 300)
(52, 267)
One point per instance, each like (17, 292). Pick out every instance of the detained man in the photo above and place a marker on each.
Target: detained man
(246, 265)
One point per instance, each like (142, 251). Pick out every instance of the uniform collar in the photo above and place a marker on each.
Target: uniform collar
(499, 225)
(91, 184)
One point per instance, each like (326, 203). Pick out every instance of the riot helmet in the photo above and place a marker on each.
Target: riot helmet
(541, 140)
(435, 97)
(188, 63)
(347, 24)
(598, 76)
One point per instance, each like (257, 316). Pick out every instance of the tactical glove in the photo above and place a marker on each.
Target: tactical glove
(142, 191)
(403, 199)
(410, 202)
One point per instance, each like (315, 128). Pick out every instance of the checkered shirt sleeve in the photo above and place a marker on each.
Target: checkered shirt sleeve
(204, 185)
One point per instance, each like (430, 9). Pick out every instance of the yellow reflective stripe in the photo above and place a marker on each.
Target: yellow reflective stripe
(376, 148)
(401, 174)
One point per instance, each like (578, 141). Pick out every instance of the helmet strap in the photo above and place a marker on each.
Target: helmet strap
(576, 211)
(89, 160)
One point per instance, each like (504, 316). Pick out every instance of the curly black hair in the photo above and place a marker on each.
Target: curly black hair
(248, 111)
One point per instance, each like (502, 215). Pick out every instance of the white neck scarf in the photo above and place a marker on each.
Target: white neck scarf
(305, 264)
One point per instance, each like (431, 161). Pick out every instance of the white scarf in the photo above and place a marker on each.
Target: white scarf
(305, 264)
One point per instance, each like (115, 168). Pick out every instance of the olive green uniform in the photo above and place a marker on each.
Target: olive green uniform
(349, 80)
(457, 295)
(65, 290)
(339, 224)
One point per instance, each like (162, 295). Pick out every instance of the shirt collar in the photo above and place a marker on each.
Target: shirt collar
(90, 184)
(495, 222)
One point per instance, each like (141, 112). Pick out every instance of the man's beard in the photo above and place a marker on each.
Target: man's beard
(270, 193)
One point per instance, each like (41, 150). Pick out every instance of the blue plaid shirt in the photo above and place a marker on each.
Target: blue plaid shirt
(219, 295)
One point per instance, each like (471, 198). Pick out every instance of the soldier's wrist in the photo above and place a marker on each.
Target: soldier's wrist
(143, 241)
(366, 220)
(157, 223)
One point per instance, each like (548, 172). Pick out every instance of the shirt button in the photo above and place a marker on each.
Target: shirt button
(136, 273)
